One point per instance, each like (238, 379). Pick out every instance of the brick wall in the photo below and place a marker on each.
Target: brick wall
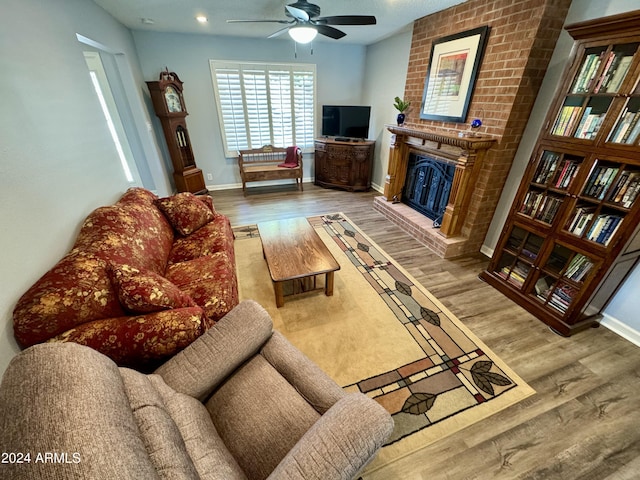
(522, 37)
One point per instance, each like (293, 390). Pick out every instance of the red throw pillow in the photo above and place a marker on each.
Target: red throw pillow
(145, 291)
(185, 212)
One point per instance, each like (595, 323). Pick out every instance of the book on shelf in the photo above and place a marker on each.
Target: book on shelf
(580, 219)
(599, 181)
(589, 125)
(546, 167)
(516, 275)
(578, 267)
(604, 228)
(617, 77)
(562, 296)
(626, 179)
(627, 129)
(548, 208)
(631, 193)
(566, 120)
(587, 73)
(606, 72)
(567, 172)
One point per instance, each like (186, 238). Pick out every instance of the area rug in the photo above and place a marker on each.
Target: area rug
(383, 334)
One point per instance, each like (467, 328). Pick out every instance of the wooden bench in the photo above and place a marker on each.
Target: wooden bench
(262, 164)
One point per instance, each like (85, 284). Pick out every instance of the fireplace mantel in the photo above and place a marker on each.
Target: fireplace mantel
(466, 152)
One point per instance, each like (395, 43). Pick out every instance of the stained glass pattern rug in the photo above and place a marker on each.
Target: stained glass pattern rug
(385, 335)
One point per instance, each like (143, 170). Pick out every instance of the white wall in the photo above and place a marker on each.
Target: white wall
(339, 70)
(385, 77)
(580, 10)
(57, 161)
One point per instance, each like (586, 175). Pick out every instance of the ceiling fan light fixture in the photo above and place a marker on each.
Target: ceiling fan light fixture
(303, 34)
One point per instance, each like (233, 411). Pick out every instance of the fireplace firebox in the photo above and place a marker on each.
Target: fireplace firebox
(428, 185)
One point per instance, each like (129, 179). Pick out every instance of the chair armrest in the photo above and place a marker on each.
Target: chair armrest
(199, 368)
(317, 388)
(340, 443)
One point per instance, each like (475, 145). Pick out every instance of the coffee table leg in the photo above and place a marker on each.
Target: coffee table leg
(328, 284)
(277, 287)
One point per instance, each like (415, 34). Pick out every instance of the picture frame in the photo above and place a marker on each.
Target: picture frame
(451, 76)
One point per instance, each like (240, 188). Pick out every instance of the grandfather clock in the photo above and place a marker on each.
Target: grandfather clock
(168, 104)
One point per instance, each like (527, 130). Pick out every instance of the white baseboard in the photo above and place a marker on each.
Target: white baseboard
(232, 186)
(377, 188)
(622, 329)
(487, 251)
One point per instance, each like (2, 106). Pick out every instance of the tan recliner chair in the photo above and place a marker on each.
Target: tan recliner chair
(239, 403)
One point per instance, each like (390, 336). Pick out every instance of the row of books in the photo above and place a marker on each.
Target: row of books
(587, 73)
(566, 120)
(541, 206)
(589, 124)
(627, 128)
(578, 267)
(626, 189)
(604, 228)
(613, 73)
(554, 171)
(579, 220)
(516, 275)
(599, 181)
(561, 297)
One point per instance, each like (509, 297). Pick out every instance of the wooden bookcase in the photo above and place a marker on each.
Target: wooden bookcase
(572, 234)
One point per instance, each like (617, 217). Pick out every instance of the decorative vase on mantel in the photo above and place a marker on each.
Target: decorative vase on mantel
(401, 106)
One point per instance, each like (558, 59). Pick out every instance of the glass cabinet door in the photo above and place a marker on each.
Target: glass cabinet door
(561, 277)
(518, 256)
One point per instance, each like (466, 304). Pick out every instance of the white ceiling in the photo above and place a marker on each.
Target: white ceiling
(179, 16)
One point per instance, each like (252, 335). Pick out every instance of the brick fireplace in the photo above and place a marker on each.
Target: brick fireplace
(465, 154)
(521, 39)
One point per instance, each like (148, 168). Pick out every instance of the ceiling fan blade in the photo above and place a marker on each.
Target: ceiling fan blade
(279, 32)
(347, 20)
(260, 21)
(297, 13)
(330, 31)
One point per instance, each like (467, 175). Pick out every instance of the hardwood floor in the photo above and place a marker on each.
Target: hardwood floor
(583, 422)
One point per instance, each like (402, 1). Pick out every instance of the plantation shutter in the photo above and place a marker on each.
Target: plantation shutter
(262, 104)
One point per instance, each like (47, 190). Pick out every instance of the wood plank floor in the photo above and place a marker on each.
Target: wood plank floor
(583, 422)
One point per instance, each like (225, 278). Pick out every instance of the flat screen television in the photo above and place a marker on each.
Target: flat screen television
(345, 121)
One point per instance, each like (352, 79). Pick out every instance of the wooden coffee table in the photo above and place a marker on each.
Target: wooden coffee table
(293, 250)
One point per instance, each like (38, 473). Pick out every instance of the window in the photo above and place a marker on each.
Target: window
(261, 104)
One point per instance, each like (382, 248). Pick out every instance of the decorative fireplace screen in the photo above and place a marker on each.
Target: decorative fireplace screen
(427, 186)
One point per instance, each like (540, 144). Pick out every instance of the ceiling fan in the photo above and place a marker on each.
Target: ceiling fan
(305, 22)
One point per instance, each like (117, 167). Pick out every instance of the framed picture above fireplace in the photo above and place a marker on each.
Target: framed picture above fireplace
(453, 67)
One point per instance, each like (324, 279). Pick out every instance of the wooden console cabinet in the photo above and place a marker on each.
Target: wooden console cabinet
(344, 164)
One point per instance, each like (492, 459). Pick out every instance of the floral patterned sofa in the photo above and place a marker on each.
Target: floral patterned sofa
(145, 278)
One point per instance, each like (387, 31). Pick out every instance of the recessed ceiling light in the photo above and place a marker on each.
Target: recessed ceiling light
(202, 19)
(147, 21)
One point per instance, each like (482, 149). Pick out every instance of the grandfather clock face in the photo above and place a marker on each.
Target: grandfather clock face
(172, 99)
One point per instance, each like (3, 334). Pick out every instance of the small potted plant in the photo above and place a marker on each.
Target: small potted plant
(401, 106)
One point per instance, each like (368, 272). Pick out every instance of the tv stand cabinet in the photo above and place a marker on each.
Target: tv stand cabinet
(344, 164)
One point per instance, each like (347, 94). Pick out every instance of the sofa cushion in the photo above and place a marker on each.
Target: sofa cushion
(210, 281)
(143, 291)
(186, 212)
(215, 236)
